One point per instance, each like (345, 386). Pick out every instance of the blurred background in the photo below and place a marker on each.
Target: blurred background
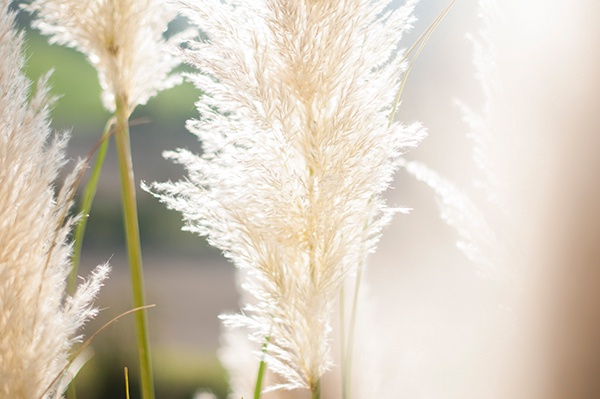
(433, 304)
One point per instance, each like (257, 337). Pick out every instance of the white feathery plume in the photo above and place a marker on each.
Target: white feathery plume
(38, 321)
(123, 40)
(296, 154)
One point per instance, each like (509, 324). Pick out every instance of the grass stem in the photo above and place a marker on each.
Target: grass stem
(126, 371)
(261, 371)
(418, 45)
(316, 391)
(71, 391)
(86, 206)
(343, 354)
(350, 344)
(132, 234)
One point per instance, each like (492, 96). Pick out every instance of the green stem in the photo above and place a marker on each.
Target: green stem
(261, 371)
(71, 391)
(316, 391)
(259, 379)
(86, 206)
(126, 371)
(132, 234)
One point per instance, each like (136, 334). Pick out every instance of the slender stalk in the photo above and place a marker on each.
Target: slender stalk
(261, 371)
(343, 354)
(126, 371)
(418, 45)
(132, 234)
(259, 379)
(71, 391)
(316, 391)
(350, 348)
(84, 210)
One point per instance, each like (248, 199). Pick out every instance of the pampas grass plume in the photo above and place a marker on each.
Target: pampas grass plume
(38, 321)
(123, 40)
(297, 150)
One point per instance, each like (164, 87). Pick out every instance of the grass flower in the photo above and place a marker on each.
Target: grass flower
(38, 321)
(124, 41)
(297, 150)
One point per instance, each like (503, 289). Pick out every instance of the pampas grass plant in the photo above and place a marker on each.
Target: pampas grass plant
(39, 322)
(297, 150)
(124, 41)
(299, 144)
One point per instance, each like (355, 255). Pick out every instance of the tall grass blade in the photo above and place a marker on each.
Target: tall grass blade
(417, 47)
(261, 371)
(86, 204)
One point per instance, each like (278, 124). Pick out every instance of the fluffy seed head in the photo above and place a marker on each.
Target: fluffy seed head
(297, 149)
(38, 321)
(123, 39)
